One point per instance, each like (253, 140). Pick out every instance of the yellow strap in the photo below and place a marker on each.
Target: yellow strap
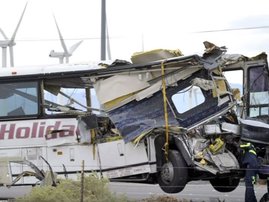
(93, 142)
(166, 146)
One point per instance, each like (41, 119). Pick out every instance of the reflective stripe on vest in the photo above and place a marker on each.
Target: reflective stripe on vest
(252, 151)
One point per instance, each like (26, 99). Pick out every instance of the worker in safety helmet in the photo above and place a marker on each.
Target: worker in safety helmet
(251, 165)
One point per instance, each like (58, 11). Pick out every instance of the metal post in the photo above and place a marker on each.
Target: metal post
(4, 56)
(88, 99)
(82, 182)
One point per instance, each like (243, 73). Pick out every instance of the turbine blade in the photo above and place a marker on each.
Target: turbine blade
(108, 44)
(15, 32)
(3, 33)
(61, 37)
(74, 47)
(11, 57)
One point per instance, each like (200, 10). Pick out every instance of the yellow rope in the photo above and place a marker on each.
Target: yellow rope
(93, 135)
(166, 145)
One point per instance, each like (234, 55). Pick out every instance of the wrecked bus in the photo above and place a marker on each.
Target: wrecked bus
(164, 118)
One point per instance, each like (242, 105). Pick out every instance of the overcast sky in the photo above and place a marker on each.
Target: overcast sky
(133, 25)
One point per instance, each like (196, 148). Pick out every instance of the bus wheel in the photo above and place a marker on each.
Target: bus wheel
(227, 184)
(174, 173)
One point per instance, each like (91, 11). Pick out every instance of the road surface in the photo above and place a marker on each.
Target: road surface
(195, 191)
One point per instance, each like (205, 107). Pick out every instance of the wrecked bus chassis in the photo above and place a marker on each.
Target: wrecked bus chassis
(168, 121)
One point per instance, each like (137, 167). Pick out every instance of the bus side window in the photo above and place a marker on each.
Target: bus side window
(18, 99)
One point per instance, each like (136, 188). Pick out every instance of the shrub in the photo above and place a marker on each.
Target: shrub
(95, 190)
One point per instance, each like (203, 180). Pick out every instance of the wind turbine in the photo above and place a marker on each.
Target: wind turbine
(9, 43)
(67, 53)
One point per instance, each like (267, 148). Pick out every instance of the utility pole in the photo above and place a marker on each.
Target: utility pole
(103, 30)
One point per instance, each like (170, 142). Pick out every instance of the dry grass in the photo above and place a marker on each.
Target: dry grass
(163, 199)
(95, 190)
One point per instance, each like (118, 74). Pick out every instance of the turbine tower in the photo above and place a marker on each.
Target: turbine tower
(66, 53)
(9, 43)
(105, 42)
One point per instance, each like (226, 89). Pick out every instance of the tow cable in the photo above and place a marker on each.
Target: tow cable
(166, 145)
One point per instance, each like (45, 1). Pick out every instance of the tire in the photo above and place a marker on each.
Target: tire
(227, 184)
(173, 176)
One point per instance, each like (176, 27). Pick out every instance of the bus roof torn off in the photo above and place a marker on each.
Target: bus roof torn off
(134, 101)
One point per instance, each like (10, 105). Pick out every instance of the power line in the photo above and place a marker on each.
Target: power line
(56, 39)
(118, 37)
(232, 29)
(67, 39)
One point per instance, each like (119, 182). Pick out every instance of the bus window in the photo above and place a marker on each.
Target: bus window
(18, 99)
(258, 92)
(188, 98)
(73, 98)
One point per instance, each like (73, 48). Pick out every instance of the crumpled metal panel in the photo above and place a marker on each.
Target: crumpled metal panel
(137, 117)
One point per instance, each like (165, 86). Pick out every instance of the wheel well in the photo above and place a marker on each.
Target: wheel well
(173, 145)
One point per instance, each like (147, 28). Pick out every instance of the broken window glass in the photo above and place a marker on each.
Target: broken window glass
(71, 98)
